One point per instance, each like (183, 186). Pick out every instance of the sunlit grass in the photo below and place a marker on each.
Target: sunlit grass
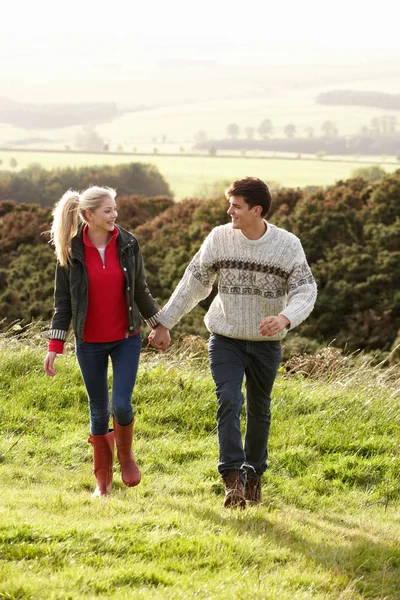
(328, 527)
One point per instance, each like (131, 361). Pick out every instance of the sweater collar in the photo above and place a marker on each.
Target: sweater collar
(262, 240)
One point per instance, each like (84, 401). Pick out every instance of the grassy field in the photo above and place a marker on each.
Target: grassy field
(195, 176)
(328, 529)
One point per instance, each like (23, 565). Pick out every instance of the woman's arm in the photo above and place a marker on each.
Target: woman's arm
(57, 334)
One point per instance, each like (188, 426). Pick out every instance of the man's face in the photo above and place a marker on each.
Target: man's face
(242, 214)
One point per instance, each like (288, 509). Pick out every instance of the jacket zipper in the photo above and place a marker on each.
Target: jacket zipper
(103, 260)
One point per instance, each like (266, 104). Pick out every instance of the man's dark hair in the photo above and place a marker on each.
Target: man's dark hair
(254, 191)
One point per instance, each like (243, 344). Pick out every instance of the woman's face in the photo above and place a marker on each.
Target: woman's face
(103, 218)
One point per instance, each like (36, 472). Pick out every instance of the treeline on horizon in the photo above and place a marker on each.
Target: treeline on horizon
(368, 144)
(380, 136)
(44, 187)
(350, 233)
(29, 115)
(360, 98)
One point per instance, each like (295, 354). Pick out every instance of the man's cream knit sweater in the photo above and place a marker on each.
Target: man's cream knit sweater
(256, 279)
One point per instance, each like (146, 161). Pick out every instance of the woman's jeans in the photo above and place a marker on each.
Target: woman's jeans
(93, 362)
(231, 360)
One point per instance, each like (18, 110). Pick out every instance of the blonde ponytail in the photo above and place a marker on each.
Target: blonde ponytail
(66, 219)
(69, 212)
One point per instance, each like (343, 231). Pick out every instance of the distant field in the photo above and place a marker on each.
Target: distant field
(194, 176)
(282, 104)
(181, 102)
(180, 122)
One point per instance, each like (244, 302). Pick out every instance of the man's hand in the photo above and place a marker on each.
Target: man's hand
(48, 364)
(271, 326)
(159, 338)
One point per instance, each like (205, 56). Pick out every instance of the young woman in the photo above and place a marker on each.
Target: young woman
(101, 286)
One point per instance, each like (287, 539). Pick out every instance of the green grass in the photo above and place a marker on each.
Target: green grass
(328, 528)
(195, 176)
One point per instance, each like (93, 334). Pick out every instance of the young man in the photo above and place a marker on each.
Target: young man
(265, 288)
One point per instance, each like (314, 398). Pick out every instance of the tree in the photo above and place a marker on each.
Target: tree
(388, 124)
(310, 132)
(232, 130)
(35, 173)
(13, 163)
(349, 231)
(212, 151)
(200, 137)
(249, 131)
(320, 155)
(376, 125)
(329, 129)
(89, 139)
(265, 129)
(393, 122)
(46, 186)
(373, 174)
(290, 130)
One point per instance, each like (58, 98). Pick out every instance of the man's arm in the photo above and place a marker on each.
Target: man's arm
(195, 285)
(301, 288)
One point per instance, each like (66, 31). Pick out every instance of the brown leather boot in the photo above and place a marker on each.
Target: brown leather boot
(123, 438)
(253, 490)
(234, 490)
(103, 455)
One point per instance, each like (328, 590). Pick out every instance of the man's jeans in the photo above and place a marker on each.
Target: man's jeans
(93, 362)
(231, 360)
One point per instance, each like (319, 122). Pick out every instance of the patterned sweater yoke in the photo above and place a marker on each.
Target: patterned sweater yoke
(256, 279)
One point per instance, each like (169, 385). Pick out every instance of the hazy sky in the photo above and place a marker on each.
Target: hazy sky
(52, 31)
(46, 43)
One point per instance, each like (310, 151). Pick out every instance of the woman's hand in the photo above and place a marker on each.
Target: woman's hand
(159, 338)
(48, 364)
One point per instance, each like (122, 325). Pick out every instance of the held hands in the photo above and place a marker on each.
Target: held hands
(48, 364)
(159, 338)
(271, 326)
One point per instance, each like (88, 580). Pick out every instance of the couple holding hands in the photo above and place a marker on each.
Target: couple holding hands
(265, 288)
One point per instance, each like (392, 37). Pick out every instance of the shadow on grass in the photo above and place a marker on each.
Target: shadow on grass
(345, 549)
